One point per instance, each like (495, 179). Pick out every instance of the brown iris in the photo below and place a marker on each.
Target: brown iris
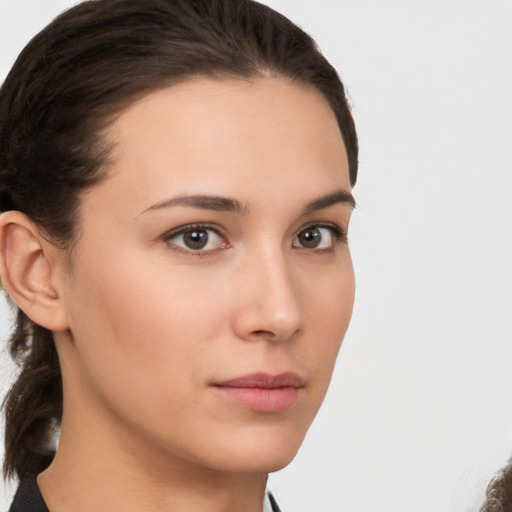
(196, 239)
(310, 238)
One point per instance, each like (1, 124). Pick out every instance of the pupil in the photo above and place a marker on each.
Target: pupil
(310, 238)
(196, 239)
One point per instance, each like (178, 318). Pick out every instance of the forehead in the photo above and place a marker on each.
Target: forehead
(207, 135)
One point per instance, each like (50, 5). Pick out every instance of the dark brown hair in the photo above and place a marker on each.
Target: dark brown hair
(65, 88)
(498, 496)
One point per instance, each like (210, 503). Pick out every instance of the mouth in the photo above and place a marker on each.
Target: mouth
(262, 392)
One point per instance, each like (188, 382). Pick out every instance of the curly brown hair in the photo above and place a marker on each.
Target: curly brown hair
(498, 496)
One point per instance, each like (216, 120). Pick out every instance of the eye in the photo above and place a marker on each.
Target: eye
(318, 237)
(196, 239)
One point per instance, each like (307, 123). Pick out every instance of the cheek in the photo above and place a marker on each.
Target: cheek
(328, 312)
(140, 328)
(148, 335)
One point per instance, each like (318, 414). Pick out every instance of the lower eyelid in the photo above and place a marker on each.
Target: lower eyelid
(339, 235)
(170, 239)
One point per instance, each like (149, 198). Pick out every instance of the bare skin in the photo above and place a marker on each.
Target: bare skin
(215, 249)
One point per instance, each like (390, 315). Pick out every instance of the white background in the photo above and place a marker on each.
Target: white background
(419, 414)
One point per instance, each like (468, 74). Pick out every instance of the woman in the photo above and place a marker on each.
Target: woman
(175, 182)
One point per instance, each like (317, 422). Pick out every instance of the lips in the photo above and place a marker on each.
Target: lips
(262, 392)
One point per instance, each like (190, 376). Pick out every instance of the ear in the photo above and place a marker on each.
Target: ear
(28, 268)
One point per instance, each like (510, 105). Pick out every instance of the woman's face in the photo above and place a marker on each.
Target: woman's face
(212, 283)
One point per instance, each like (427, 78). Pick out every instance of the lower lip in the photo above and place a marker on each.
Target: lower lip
(261, 399)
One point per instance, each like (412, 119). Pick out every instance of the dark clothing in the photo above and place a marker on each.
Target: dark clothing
(273, 502)
(28, 498)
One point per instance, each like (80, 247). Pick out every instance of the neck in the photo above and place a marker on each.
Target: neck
(118, 472)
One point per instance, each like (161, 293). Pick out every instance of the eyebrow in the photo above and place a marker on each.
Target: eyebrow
(205, 202)
(226, 204)
(339, 196)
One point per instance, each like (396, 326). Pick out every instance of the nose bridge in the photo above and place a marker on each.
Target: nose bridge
(271, 304)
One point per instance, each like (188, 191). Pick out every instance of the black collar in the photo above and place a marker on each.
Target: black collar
(28, 498)
(273, 502)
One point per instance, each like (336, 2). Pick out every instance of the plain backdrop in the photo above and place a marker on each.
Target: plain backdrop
(419, 415)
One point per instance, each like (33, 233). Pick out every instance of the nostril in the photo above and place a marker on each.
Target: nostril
(262, 332)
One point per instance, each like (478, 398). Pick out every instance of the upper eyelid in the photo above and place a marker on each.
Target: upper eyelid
(338, 230)
(339, 234)
(189, 227)
(329, 225)
(167, 238)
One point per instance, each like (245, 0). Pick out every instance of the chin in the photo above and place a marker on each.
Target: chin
(270, 462)
(257, 455)
(262, 463)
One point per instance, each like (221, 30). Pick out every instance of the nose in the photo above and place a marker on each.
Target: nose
(268, 302)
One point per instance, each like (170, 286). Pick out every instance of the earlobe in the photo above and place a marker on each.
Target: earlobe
(27, 272)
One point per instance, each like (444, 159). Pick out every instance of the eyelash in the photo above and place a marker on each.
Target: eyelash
(339, 237)
(169, 236)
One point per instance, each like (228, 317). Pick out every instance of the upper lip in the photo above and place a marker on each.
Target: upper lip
(264, 381)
